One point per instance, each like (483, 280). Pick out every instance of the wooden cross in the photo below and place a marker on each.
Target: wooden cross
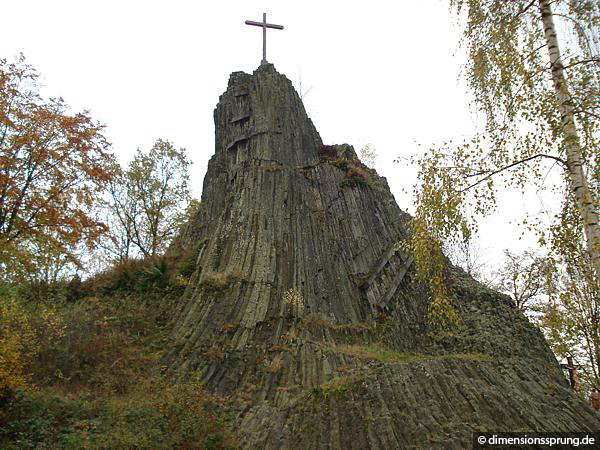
(572, 368)
(595, 399)
(264, 26)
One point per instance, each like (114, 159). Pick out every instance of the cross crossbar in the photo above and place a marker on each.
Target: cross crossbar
(264, 25)
(260, 24)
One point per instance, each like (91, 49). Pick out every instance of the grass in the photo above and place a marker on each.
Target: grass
(375, 352)
(325, 322)
(337, 388)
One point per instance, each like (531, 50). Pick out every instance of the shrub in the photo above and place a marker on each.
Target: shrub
(156, 415)
(327, 152)
(18, 344)
(357, 176)
(218, 282)
(341, 163)
(188, 264)
(150, 277)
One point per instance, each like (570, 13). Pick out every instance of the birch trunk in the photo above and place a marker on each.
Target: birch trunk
(583, 196)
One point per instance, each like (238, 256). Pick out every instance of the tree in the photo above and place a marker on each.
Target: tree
(368, 155)
(147, 201)
(52, 165)
(541, 111)
(472, 259)
(571, 318)
(523, 277)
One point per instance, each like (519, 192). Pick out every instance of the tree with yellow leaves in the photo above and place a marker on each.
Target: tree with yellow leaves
(52, 166)
(539, 91)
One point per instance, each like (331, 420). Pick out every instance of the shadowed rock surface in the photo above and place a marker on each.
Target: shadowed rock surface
(303, 313)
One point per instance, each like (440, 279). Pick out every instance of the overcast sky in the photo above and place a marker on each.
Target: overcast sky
(379, 72)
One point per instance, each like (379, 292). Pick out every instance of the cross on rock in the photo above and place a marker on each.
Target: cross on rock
(264, 26)
(572, 368)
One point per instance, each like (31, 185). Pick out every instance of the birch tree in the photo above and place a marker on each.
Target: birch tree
(537, 86)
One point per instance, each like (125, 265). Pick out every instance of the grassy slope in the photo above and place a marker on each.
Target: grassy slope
(97, 380)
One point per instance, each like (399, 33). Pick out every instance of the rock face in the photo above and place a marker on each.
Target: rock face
(305, 315)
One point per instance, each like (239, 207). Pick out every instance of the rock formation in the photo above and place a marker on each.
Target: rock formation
(303, 312)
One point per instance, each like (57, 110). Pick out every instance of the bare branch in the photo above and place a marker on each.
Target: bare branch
(584, 61)
(489, 174)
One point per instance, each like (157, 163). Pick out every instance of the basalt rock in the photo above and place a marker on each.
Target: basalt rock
(305, 313)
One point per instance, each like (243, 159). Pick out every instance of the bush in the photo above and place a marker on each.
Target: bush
(327, 152)
(155, 415)
(104, 347)
(151, 277)
(18, 344)
(188, 262)
(98, 379)
(95, 365)
(357, 176)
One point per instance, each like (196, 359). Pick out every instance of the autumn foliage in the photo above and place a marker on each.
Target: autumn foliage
(18, 345)
(52, 164)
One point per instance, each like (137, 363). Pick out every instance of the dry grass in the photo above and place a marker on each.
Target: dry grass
(274, 168)
(291, 335)
(355, 172)
(291, 388)
(280, 348)
(294, 300)
(217, 282)
(274, 365)
(215, 354)
(230, 327)
(357, 175)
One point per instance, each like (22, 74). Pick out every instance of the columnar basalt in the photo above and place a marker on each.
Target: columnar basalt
(303, 310)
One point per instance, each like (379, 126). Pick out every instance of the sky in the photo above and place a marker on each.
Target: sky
(378, 72)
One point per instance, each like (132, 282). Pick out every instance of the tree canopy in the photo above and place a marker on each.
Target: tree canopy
(147, 201)
(537, 86)
(52, 165)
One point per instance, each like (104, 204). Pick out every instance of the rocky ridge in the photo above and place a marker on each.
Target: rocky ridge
(306, 316)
